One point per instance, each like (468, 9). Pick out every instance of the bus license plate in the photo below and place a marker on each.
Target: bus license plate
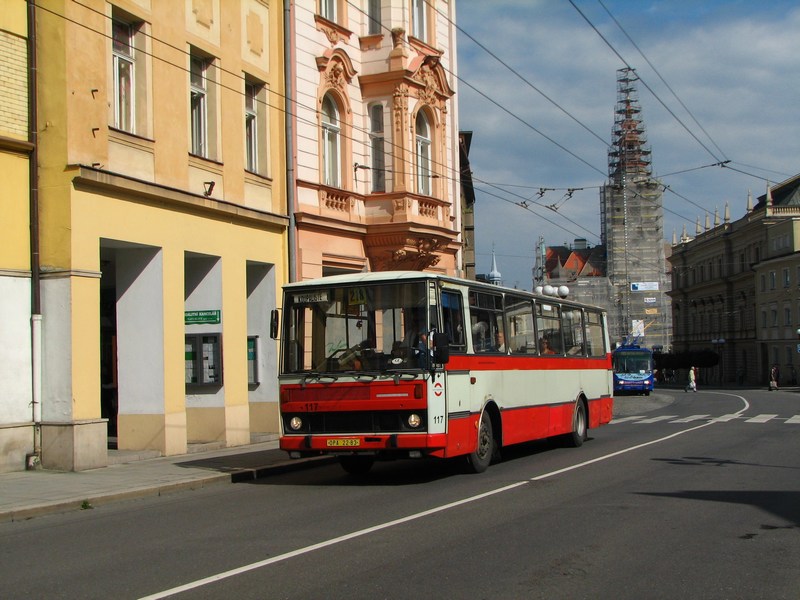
(344, 442)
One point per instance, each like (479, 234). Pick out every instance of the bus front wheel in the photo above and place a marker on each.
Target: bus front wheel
(479, 460)
(579, 429)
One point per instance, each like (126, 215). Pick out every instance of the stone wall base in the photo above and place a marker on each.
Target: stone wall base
(75, 446)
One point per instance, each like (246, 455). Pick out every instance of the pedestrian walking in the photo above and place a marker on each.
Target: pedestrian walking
(774, 376)
(692, 385)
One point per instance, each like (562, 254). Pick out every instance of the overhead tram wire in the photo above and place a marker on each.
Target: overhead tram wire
(652, 66)
(784, 175)
(519, 75)
(723, 163)
(718, 163)
(507, 111)
(287, 111)
(644, 83)
(456, 173)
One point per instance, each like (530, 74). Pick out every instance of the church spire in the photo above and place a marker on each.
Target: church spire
(494, 275)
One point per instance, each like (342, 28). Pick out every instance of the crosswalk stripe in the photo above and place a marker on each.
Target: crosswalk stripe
(690, 419)
(726, 418)
(623, 419)
(657, 419)
(761, 418)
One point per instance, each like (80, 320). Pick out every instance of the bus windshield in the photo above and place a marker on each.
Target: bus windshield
(339, 329)
(632, 361)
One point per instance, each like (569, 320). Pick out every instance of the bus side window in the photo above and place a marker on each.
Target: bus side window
(548, 328)
(486, 322)
(453, 321)
(520, 334)
(595, 345)
(573, 331)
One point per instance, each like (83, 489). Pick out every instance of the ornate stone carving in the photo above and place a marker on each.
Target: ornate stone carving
(337, 70)
(429, 94)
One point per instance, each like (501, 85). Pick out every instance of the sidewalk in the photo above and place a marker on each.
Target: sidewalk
(27, 494)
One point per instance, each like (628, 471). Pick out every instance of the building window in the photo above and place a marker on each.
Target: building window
(423, 154)
(327, 9)
(199, 105)
(124, 74)
(419, 19)
(255, 126)
(786, 278)
(774, 314)
(787, 315)
(763, 319)
(377, 148)
(331, 143)
(763, 282)
(374, 17)
(250, 127)
(772, 280)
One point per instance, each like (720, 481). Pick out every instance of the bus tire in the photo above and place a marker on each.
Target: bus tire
(357, 464)
(479, 460)
(579, 428)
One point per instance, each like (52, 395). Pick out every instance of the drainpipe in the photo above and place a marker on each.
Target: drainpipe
(34, 460)
(288, 60)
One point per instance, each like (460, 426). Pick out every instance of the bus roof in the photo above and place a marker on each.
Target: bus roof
(408, 276)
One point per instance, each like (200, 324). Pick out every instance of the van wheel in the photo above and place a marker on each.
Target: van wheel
(357, 465)
(579, 429)
(479, 460)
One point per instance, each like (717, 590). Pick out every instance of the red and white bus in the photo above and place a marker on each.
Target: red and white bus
(411, 364)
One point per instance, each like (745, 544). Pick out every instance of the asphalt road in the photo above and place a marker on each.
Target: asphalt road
(669, 501)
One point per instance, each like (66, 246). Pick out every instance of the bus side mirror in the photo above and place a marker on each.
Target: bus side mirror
(441, 348)
(273, 324)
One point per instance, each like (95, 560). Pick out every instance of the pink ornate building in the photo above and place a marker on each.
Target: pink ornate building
(373, 137)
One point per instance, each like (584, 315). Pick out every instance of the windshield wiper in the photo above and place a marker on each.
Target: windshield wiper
(314, 376)
(359, 375)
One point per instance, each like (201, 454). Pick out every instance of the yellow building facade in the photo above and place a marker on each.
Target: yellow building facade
(162, 222)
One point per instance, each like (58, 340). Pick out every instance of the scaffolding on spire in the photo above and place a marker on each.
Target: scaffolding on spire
(629, 155)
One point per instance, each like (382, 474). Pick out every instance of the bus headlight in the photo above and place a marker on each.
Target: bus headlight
(414, 420)
(296, 423)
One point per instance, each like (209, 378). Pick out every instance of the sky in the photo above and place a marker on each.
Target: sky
(718, 81)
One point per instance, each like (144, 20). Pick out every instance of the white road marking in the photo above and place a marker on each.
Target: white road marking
(362, 532)
(657, 419)
(690, 419)
(761, 419)
(726, 418)
(623, 419)
(795, 420)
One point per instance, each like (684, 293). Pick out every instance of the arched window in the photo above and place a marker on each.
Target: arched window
(423, 154)
(331, 145)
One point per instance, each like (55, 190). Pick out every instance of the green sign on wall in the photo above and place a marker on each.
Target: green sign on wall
(202, 317)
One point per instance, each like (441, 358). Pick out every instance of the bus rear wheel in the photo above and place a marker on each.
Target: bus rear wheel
(579, 429)
(479, 460)
(357, 465)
